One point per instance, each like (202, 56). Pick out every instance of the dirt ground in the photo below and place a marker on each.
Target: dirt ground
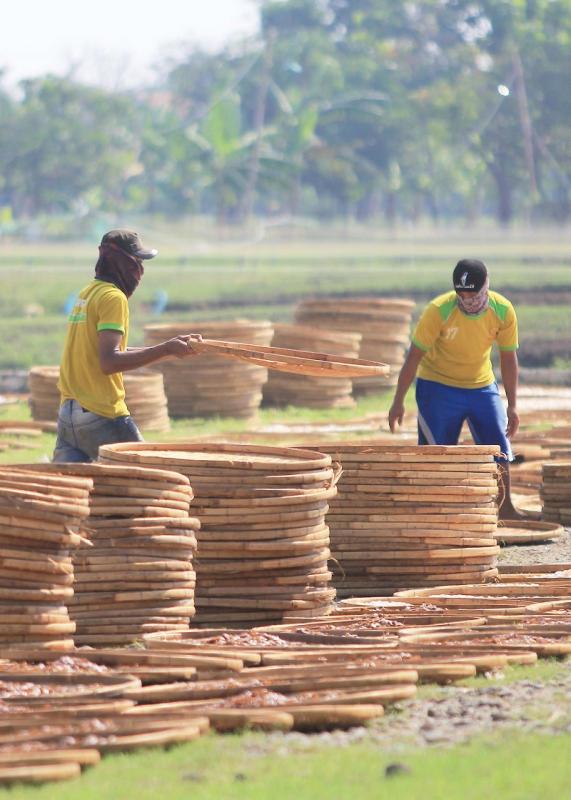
(557, 552)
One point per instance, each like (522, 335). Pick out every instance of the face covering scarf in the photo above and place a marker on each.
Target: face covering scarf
(475, 303)
(117, 267)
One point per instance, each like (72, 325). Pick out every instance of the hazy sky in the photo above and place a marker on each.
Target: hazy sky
(112, 42)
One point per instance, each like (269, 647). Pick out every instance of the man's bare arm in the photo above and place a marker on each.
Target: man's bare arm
(510, 372)
(112, 359)
(406, 377)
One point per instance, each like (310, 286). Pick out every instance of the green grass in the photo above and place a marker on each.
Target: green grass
(543, 322)
(30, 449)
(510, 767)
(230, 276)
(260, 281)
(546, 669)
(26, 342)
(41, 448)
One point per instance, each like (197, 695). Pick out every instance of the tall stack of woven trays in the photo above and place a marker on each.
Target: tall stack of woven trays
(384, 325)
(44, 395)
(556, 492)
(40, 520)
(283, 388)
(210, 385)
(408, 516)
(134, 571)
(144, 394)
(263, 544)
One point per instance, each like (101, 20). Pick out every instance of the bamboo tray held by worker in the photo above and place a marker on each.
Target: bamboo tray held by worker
(300, 362)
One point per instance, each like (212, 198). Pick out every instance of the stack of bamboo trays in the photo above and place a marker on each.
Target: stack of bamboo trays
(137, 576)
(384, 325)
(412, 516)
(144, 394)
(556, 492)
(263, 544)
(146, 399)
(505, 601)
(40, 518)
(210, 385)
(63, 714)
(284, 389)
(44, 398)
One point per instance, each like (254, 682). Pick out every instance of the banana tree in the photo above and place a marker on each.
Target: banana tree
(225, 152)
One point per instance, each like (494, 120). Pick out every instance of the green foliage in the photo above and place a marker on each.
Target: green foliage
(451, 108)
(61, 141)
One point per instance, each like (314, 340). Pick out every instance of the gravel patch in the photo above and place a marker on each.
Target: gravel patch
(461, 713)
(556, 552)
(454, 715)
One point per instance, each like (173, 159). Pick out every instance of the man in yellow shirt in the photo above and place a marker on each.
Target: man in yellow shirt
(93, 410)
(450, 357)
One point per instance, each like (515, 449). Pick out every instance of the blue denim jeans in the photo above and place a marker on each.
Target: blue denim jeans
(80, 433)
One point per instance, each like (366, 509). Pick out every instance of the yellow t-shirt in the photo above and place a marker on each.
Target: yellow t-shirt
(100, 306)
(458, 346)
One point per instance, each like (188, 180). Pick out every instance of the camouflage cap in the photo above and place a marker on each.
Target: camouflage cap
(129, 241)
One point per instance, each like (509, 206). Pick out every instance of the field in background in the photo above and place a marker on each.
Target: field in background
(203, 275)
(271, 426)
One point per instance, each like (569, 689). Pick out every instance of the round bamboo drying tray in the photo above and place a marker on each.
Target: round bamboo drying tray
(528, 532)
(297, 362)
(211, 385)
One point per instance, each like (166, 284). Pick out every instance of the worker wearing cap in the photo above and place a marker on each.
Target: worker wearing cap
(93, 410)
(450, 357)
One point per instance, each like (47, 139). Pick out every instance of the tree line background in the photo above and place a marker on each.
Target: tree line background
(368, 109)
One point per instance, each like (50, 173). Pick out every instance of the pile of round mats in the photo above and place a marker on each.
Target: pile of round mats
(210, 385)
(412, 516)
(135, 573)
(285, 389)
(144, 395)
(40, 519)
(556, 492)
(384, 325)
(44, 399)
(263, 544)
(146, 399)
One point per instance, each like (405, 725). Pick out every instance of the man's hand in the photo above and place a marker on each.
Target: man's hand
(513, 422)
(181, 346)
(193, 337)
(396, 414)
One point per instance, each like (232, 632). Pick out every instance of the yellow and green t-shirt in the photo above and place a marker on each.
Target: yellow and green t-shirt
(458, 345)
(101, 306)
